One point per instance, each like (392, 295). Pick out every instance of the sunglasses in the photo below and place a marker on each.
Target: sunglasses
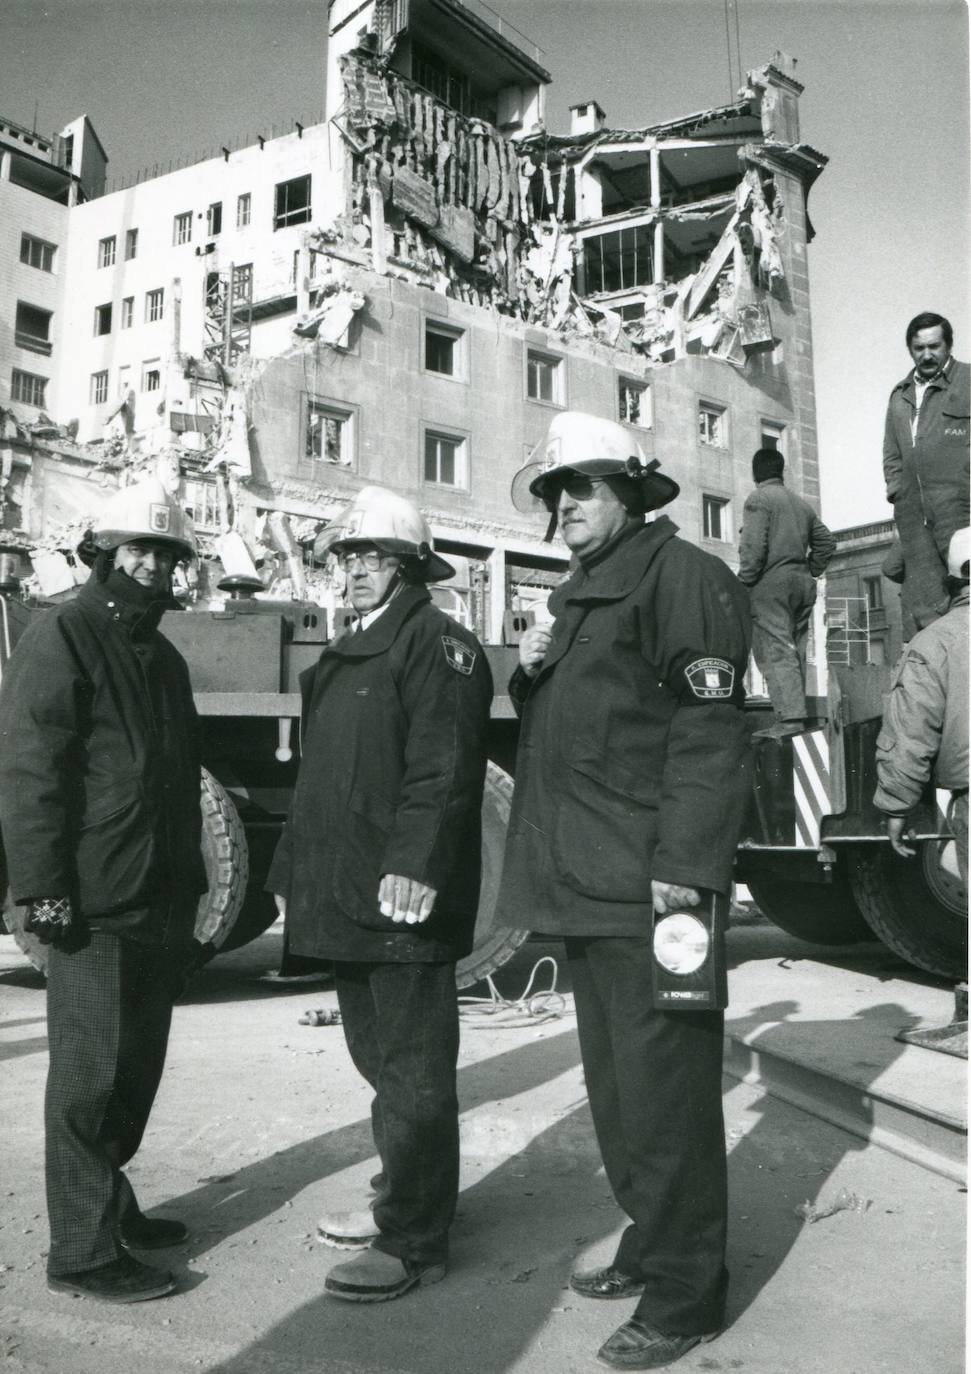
(576, 485)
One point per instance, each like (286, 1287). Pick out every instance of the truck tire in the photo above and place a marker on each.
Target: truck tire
(225, 856)
(916, 906)
(493, 944)
(823, 913)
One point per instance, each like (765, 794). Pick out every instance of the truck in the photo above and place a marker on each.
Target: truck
(814, 852)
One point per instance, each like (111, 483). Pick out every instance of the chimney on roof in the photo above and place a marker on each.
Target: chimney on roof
(587, 118)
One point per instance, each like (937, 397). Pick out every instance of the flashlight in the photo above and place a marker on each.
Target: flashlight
(689, 966)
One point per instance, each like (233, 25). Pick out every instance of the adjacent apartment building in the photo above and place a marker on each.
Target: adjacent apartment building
(406, 293)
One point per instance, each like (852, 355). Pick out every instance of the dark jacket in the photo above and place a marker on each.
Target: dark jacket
(100, 764)
(781, 530)
(391, 777)
(633, 757)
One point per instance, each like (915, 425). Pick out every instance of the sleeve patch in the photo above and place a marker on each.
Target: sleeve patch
(711, 679)
(458, 655)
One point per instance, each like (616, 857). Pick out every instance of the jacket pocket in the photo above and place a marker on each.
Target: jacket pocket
(357, 872)
(605, 832)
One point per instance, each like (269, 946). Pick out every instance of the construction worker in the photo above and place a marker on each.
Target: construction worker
(631, 782)
(784, 547)
(378, 869)
(925, 723)
(926, 461)
(99, 805)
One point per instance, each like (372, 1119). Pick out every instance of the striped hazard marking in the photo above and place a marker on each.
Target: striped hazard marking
(810, 785)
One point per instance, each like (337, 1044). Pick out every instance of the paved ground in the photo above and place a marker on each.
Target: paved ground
(262, 1123)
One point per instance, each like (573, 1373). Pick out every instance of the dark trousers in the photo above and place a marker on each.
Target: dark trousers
(109, 1007)
(402, 1029)
(654, 1083)
(782, 607)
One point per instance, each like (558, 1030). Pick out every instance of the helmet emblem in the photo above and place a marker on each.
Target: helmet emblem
(159, 518)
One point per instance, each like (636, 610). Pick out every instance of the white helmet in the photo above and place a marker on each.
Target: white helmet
(578, 442)
(959, 554)
(145, 510)
(392, 524)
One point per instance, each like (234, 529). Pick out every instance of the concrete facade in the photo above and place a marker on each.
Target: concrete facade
(866, 622)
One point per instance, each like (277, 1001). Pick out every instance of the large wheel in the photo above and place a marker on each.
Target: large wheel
(916, 906)
(493, 944)
(225, 856)
(824, 913)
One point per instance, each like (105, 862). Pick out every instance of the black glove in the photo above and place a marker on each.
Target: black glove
(54, 921)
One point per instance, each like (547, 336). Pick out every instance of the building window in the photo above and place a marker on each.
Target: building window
(715, 518)
(182, 228)
(27, 387)
(292, 203)
(444, 350)
(201, 502)
(620, 260)
(124, 381)
(243, 207)
(544, 378)
(131, 244)
(154, 305)
(873, 588)
(772, 434)
(446, 461)
(37, 253)
(152, 375)
(33, 328)
(329, 434)
(106, 252)
(633, 403)
(448, 83)
(712, 425)
(214, 219)
(243, 282)
(99, 388)
(102, 319)
(127, 312)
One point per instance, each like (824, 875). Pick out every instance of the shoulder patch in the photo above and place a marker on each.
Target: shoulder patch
(711, 679)
(458, 655)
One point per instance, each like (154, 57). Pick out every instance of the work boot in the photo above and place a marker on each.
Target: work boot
(139, 1232)
(635, 1345)
(348, 1230)
(121, 1280)
(374, 1276)
(606, 1283)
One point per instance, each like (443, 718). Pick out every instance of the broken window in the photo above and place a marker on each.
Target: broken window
(633, 402)
(292, 202)
(99, 388)
(715, 520)
(619, 261)
(27, 387)
(772, 435)
(544, 377)
(712, 425)
(154, 305)
(243, 204)
(434, 75)
(127, 312)
(106, 251)
(201, 503)
(443, 350)
(33, 328)
(182, 228)
(214, 219)
(37, 253)
(102, 319)
(131, 244)
(329, 434)
(445, 462)
(152, 375)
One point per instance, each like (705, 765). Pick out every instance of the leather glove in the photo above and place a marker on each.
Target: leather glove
(53, 921)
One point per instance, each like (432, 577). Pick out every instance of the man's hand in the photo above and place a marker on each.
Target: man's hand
(532, 648)
(54, 921)
(672, 897)
(405, 899)
(898, 828)
(281, 905)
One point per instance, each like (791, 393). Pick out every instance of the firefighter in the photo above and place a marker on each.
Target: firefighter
(378, 869)
(925, 724)
(632, 776)
(99, 804)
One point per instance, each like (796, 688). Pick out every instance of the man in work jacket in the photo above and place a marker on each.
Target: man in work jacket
(926, 461)
(925, 724)
(378, 869)
(631, 779)
(784, 547)
(99, 805)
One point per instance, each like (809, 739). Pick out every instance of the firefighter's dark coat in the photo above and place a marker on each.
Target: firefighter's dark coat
(391, 777)
(100, 764)
(633, 758)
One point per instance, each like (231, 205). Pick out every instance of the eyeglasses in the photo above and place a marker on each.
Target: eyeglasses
(577, 486)
(371, 560)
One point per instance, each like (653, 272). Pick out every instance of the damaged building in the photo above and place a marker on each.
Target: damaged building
(407, 292)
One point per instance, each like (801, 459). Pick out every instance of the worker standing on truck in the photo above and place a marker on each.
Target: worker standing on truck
(99, 804)
(784, 547)
(925, 724)
(378, 869)
(631, 781)
(926, 461)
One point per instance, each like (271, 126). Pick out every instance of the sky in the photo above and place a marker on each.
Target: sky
(886, 100)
